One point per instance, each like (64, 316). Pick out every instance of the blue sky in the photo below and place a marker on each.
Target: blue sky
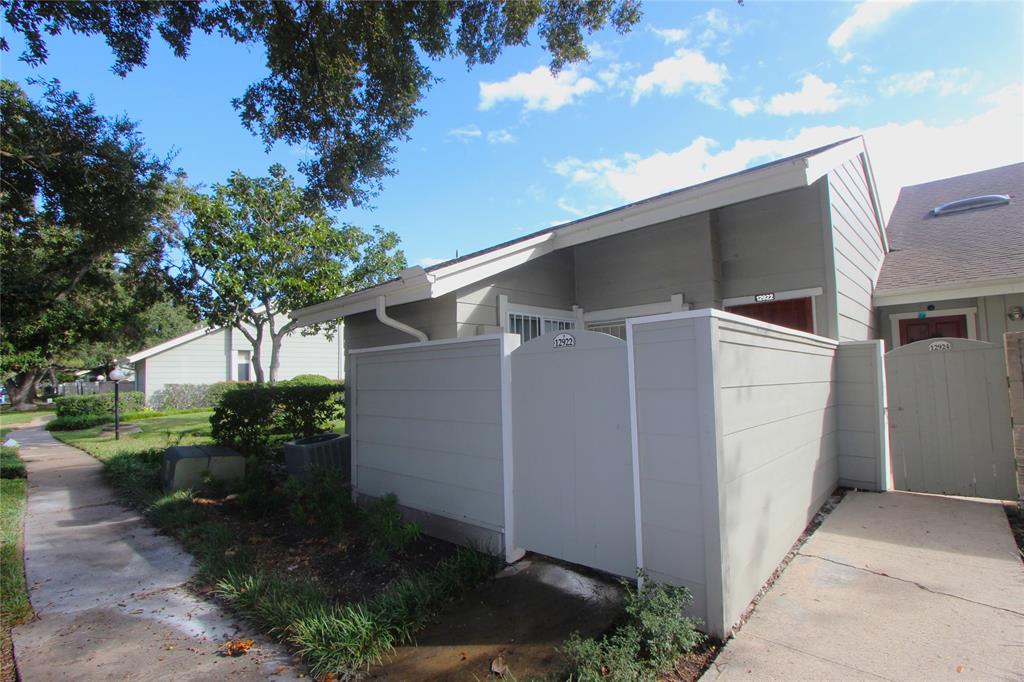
(697, 90)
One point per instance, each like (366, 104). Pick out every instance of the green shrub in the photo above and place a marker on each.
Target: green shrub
(246, 418)
(99, 404)
(259, 497)
(308, 380)
(11, 465)
(190, 396)
(321, 499)
(78, 422)
(388, 532)
(653, 636)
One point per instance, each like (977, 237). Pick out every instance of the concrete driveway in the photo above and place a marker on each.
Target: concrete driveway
(892, 586)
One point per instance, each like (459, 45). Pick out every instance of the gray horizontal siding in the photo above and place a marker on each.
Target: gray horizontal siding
(858, 248)
(777, 420)
(435, 317)
(861, 404)
(426, 426)
(203, 360)
(673, 474)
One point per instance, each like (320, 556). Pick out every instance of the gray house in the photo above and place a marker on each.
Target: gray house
(956, 265)
(797, 242)
(677, 385)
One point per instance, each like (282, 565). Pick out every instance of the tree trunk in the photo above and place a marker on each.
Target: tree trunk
(22, 389)
(257, 360)
(275, 355)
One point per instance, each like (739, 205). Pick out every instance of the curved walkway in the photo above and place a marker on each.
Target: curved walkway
(108, 591)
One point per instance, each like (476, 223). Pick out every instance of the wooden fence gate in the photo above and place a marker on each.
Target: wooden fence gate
(949, 419)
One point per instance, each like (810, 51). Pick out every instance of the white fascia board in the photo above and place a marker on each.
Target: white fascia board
(949, 290)
(821, 164)
(167, 345)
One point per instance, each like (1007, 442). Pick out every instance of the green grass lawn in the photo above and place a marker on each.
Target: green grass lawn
(14, 604)
(192, 428)
(8, 419)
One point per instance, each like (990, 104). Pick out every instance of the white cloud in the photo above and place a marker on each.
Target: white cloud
(716, 20)
(902, 153)
(500, 137)
(944, 83)
(687, 68)
(428, 261)
(671, 35)
(867, 15)
(815, 96)
(538, 89)
(743, 106)
(465, 133)
(599, 51)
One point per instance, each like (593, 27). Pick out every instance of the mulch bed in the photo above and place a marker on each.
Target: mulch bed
(340, 564)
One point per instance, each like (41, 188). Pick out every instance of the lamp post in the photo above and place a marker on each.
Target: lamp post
(116, 375)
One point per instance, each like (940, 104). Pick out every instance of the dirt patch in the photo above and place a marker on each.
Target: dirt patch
(519, 621)
(341, 564)
(690, 667)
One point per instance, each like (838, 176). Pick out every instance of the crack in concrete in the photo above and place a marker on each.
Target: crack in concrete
(912, 582)
(819, 657)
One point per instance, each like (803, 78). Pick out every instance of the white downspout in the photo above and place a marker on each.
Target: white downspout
(382, 315)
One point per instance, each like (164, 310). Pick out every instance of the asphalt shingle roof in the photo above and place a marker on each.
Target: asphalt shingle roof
(973, 245)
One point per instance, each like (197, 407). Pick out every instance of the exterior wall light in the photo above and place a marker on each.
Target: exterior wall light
(1016, 313)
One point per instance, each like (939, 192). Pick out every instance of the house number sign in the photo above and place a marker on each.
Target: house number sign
(940, 345)
(764, 298)
(564, 341)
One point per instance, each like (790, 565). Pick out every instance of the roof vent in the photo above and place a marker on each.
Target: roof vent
(971, 202)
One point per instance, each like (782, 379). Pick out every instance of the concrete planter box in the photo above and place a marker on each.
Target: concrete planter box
(322, 451)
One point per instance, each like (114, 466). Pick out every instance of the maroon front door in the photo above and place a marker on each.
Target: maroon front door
(795, 313)
(918, 329)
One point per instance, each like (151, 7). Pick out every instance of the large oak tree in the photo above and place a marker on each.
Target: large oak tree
(346, 77)
(80, 232)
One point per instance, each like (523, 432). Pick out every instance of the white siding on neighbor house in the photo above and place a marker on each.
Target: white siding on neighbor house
(650, 265)
(203, 360)
(863, 437)
(301, 354)
(774, 244)
(546, 282)
(858, 250)
(426, 425)
(779, 452)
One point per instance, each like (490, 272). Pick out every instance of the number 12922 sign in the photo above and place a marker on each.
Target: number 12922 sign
(564, 341)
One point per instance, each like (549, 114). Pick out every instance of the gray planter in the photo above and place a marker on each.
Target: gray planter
(322, 451)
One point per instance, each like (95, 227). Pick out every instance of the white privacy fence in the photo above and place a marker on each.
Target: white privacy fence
(736, 433)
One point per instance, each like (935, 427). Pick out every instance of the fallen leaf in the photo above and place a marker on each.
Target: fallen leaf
(237, 647)
(959, 668)
(498, 666)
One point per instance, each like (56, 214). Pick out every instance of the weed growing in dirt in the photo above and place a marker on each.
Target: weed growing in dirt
(652, 637)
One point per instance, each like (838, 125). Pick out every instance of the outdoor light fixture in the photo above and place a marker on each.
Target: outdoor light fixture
(1016, 313)
(116, 375)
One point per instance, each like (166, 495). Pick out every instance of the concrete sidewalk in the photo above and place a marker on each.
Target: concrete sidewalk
(108, 590)
(895, 586)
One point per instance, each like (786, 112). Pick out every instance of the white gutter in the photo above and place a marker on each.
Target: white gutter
(382, 315)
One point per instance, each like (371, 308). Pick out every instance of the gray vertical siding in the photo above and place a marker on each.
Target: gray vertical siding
(858, 251)
(862, 424)
(676, 459)
(779, 447)
(546, 282)
(426, 425)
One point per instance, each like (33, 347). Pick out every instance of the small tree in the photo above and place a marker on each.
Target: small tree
(257, 248)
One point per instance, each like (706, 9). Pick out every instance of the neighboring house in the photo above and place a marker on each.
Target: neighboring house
(956, 268)
(207, 356)
(797, 242)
